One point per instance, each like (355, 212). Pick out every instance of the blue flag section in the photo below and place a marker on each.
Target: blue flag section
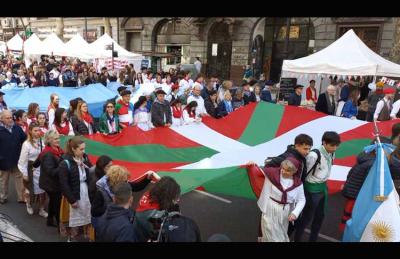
(95, 95)
(376, 213)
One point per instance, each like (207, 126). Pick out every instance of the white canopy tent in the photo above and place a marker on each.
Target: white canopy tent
(99, 46)
(15, 43)
(346, 56)
(78, 47)
(54, 46)
(33, 45)
(33, 48)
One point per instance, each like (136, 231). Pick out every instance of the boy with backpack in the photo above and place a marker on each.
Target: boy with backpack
(299, 151)
(319, 162)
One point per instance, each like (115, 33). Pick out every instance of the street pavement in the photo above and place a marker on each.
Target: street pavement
(238, 218)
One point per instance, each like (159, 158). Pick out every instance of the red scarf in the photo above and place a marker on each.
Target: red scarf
(86, 117)
(146, 204)
(32, 118)
(63, 130)
(274, 175)
(57, 152)
(177, 113)
(43, 132)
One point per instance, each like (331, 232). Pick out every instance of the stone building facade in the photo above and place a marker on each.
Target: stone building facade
(226, 44)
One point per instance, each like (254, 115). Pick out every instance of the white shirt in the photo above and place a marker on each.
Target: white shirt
(200, 104)
(51, 114)
(187, 119)
(295, 197)
(142, 120)
(395, 109)
(183, 85)
(322, 171)
(379, 107)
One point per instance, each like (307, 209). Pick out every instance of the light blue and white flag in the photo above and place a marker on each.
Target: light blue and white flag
(376, 212)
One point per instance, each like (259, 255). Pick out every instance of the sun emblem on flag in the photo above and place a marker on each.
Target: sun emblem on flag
(382, 231)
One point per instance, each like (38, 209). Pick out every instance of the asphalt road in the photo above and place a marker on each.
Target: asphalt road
(239, 219)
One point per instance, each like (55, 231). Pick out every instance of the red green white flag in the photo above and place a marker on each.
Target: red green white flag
(212, 154)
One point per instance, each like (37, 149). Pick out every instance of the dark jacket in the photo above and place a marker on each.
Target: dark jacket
(294, 99)
(48, 179)
(266, 96)
(205, 93)
(95, 175)
(69, 178)
(237, 103)
(290, 152)
(80, 127)
(322, 105)
(69, 78)
(249, 98)
(158, 111)
(222, 112)
(357, 175)
(10, 146)
(208, 104)
(116, 225)
(103, 195)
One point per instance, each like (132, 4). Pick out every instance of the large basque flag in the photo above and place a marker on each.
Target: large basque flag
(212, 154)
(376, 213)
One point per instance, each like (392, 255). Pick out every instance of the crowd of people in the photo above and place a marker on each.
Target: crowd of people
(93, 202)
(352, 99)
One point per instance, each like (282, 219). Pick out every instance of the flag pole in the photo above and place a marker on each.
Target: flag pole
(381, 197)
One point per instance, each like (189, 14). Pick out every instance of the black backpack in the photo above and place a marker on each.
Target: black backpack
(179, 228)
(314, 167)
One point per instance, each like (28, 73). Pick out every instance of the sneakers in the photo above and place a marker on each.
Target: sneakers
(43, 213)
(29, 209)
(3, 201)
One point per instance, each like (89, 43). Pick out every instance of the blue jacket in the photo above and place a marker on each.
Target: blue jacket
(349, 109)
(266, 96)
(10, 146)
(344, 94)
(223, 110)
(116, 225)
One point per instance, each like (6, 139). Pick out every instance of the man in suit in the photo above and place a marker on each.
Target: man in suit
(326, 101)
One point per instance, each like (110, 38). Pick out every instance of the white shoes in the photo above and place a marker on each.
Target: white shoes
(29, 209)
(43, 213)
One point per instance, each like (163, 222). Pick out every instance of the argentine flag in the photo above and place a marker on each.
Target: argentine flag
(376, 212)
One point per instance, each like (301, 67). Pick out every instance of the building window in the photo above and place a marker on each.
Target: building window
(293, 34)
(177, 51)
(369, 34)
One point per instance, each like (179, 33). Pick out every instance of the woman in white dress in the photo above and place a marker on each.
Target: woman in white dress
(73, 171)
(281, 200)
(141, 117)
(30, 151)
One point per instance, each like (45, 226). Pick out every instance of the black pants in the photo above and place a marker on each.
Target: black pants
(313, 211)
(54, 206)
